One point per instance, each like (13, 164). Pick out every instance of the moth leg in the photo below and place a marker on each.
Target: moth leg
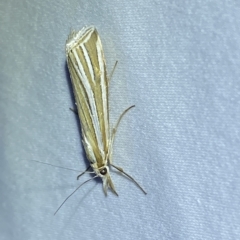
(111, 74)
(126, 174)
(74, 110)
(114, 131)
(83, 172)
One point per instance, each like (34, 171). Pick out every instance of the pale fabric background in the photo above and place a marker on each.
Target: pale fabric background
(179, 62)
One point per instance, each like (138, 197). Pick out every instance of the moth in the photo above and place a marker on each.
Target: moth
(90, 83)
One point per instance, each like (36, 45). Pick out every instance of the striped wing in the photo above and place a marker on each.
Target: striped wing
(87, 68)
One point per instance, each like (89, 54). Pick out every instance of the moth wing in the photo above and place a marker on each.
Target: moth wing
(87, 69)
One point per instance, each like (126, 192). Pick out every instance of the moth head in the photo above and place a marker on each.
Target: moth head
(106, 178)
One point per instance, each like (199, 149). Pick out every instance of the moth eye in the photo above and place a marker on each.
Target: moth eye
(103, 171)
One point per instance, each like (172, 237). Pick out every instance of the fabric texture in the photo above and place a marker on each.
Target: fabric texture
(179, 63)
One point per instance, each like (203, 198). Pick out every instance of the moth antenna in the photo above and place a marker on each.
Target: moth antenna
(73, 193)
(65, 168)
(56, 166)
(121, 170)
